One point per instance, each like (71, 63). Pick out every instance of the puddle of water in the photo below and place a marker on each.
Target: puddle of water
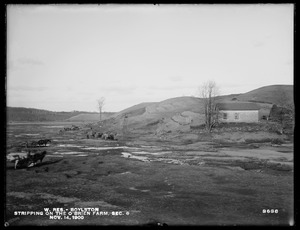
(149, 146)
(141, 190)
(170, 194)
(125, 173)
(105, 148)
(53, 156)
(70, 145)
(27, 134)
(129, 155)
(81, 155)
(53, 126)
(68, 153)
(150, 153)
(171, 161)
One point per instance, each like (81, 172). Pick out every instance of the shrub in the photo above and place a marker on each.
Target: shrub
(277, 141)
(263, 140)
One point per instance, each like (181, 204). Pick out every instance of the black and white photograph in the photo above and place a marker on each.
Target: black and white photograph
(151, 115)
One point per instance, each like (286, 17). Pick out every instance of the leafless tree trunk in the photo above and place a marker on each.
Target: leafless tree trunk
(101, 103)
(208, 92)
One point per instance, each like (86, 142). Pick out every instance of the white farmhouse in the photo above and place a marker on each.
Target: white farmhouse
(238, 112)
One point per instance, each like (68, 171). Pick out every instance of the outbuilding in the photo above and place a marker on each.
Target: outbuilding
(238, 112)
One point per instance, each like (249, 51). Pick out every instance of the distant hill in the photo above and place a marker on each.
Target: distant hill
(281, 95)
(170, 114)
(90, 116)
(30, 114)
(183, 113)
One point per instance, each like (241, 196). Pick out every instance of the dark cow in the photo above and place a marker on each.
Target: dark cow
(38, 157)
(99, 135)
(91, 134)
(44, 142)
(34, 144)
(74, 127)
(104, 136)
(110, 137)
(23, 144)
(30, 160)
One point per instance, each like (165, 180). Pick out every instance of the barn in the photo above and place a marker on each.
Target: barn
(238, 112)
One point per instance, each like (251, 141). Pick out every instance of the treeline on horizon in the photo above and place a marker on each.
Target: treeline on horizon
(30, 114)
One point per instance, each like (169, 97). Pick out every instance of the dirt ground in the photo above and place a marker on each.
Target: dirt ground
(180, 180)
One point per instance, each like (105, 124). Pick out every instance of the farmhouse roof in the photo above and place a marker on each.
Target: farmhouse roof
(238, 106)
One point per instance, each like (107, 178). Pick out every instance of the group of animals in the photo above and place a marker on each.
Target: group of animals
(91, 134)
(104, 136)
(30, 159)
(34, 144)
(72, 128)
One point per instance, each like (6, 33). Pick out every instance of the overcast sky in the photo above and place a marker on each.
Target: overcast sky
(65, 57)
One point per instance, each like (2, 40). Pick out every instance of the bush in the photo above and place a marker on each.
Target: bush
(277, 141)
(263, 140)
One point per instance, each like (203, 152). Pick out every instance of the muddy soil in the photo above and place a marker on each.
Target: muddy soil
(148, 180)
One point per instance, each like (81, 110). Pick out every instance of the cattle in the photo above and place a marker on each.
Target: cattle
(38, 157)
(90, 134)
(110, 137)
(104, 136)
(30, 160)
(34, 144)
(23, 144)
(43, 142)
(99, 135)
(74, 127)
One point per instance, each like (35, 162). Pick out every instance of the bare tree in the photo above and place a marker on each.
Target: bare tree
(209, 91)
(101, 103)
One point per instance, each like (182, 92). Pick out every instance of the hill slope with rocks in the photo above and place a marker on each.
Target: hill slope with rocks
(281, 95)
(182, 114)
(90, 117)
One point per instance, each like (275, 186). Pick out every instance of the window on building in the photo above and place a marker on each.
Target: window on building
(224, 115)
(236, 116)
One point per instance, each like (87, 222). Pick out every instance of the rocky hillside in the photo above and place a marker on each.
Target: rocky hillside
(185, 113)
(161, 116)
(90, 117)
(281, 95)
